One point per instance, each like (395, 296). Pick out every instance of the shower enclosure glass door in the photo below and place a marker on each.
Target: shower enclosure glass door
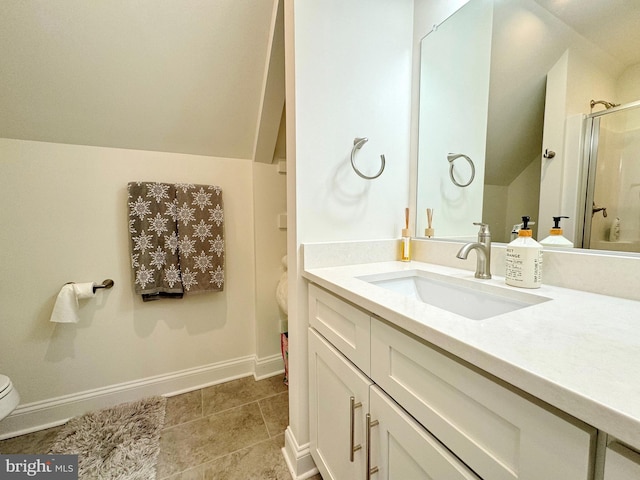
(612, 207)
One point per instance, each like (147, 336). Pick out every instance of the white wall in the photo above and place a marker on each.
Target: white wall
(65, 219)
(348, 75)
(269, 190)
(353, 79)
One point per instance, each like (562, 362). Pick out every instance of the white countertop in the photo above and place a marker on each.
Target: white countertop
(579, 352)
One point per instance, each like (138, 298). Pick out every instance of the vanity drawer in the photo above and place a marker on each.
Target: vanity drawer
(497, 432)
(621, 463)
(345, 326)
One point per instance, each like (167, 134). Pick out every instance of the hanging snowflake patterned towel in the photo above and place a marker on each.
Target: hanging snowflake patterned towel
(177, 238)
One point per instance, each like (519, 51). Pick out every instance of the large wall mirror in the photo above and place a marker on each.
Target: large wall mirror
(506, 91)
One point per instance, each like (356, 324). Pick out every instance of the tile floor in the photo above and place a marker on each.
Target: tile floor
(231, 431)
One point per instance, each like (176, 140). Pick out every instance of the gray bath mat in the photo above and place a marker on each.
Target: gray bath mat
(122, 442)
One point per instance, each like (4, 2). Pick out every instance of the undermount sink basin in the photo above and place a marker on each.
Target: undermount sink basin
(470, 298)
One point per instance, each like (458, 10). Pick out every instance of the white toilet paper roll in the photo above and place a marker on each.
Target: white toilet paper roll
(84, 290)
(65, 309)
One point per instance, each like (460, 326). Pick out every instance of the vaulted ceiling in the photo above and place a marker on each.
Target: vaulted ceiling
(188, 76)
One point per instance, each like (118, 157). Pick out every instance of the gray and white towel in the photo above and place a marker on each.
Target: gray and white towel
(177, 238)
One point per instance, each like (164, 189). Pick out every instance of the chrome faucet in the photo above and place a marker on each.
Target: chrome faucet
(483, 252)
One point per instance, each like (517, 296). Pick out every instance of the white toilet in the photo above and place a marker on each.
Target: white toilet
(9, 397)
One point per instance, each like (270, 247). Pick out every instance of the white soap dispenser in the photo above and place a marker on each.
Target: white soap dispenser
(524, 259)
(555, 238)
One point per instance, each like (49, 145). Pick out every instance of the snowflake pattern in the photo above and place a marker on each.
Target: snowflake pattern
(158, 191)
(201, 198)
(171, 242)
(139, 208)
(172, 275)
(217, 276)
(189, 279)
(217, 246)
(203, 261)
(172, 209)
(177, 239)
(184, 186)
(186, 246)
(158, 224)
(216, 215)
(143, 276)
(185, 214)
(202, 230)
(142, 242)
(158, 258)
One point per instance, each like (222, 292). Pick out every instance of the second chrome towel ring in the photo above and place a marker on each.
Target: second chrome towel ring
(358, 142)
(451, 157)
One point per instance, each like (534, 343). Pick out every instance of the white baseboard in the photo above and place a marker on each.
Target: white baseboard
(268, 366)
(297, 457)
(51, 412)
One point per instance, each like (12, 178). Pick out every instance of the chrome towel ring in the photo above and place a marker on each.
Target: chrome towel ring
(451, 157)
(358, 142)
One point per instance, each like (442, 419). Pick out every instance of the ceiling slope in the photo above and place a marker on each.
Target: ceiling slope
(158, 75)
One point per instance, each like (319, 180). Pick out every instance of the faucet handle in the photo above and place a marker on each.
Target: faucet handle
(484, 228)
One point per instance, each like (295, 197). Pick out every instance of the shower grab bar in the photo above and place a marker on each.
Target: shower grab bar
(358, 142)
(453, 156)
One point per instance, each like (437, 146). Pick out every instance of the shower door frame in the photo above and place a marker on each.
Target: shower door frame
(588, 174)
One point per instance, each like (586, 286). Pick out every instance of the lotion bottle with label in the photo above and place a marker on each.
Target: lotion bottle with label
(524, 259)
(555, 238)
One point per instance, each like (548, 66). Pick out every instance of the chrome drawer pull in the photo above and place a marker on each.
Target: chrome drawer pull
(353, 448)
(370, 471)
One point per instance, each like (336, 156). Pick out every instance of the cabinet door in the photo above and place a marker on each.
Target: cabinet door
(403, 450)
(333, 381)
(345, 326)
(621, 463)
(493, 429)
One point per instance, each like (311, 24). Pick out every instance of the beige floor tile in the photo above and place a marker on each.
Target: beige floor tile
(31, 443)
(183, 408)
(239, 392)
(262, 461)
(191, 444)
(275, 410)
(191, 474)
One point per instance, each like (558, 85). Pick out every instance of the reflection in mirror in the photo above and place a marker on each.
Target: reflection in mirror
(504, 81)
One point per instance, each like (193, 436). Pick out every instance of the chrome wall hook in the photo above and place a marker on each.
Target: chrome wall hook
(358, 142)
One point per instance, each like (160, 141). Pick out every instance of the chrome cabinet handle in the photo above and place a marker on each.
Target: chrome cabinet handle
(352, 409)
(370, 424)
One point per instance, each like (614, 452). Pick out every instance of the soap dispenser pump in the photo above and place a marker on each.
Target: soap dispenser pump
(555, 238)
(524, 259)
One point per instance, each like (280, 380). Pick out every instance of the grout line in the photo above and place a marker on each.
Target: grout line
(264, 420)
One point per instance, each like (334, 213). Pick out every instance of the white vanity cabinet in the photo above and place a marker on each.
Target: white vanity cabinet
(338, 402)
(621, 463)
(432, 416)
(497, 432)
(356, 427)
(345, 326)
(401, 449)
